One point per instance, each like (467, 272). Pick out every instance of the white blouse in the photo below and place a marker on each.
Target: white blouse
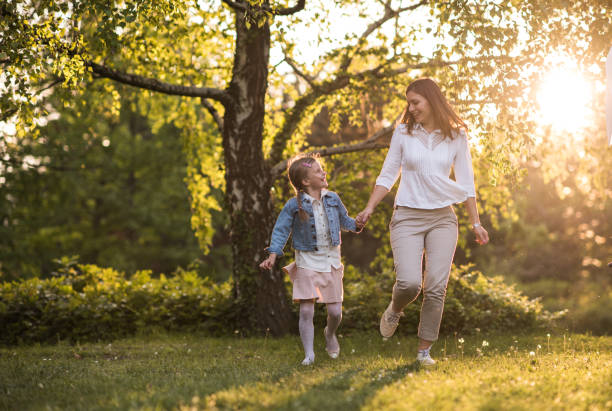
(326, 255)
(425, 160)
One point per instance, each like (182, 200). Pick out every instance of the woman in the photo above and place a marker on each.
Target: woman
(429, 141)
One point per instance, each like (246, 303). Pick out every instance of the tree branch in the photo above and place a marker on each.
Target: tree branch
(442, 63)
(372, 143)
(309, 79)
(294, 116)
(389, 14)
(277, 12)
(155, 85)
(50, 85)
(413, 7)
(234, 5)
(291, 10)
(8, 114)
(214, 113)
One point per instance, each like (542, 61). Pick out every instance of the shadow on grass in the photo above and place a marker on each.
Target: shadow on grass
(351, 388)
(347, 382)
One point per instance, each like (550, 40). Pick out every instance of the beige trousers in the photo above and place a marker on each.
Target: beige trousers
(412, 232)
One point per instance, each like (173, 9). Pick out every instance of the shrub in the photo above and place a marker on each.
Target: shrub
(85, 302)
(473, 300)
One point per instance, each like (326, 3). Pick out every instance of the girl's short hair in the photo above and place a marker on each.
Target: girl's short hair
(297, 170)
(444, 115)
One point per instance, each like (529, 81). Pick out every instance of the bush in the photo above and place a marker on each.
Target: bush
(473, 300)
(85, 302)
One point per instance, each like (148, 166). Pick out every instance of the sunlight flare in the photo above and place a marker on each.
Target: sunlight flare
(564, 98)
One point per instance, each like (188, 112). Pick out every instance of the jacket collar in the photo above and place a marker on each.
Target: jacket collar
(324, 192)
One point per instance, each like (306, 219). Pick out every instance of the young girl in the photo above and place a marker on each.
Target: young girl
(429, 141)
(315, 216)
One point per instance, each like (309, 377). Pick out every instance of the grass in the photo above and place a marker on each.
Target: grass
(477, 372)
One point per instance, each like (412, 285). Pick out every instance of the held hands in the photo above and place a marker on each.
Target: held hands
(359, 225)
(482, 237)
(363, 217)
(268, 263)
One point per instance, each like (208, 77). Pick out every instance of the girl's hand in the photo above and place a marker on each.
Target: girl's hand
(359, 225)
(482, 237)
(268, 263)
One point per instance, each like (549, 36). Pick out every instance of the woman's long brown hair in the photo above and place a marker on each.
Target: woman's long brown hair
(444, 116)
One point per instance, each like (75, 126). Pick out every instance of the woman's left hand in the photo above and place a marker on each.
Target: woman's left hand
(482, 237)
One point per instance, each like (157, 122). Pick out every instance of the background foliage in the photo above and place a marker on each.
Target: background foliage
(104, 187)
(87, 302)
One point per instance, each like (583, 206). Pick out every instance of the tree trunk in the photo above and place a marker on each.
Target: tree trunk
(262, 301)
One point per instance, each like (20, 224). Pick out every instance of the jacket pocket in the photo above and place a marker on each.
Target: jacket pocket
(332, 201)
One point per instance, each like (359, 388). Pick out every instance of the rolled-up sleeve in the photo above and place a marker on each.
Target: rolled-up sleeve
(464, 173)
(393, 162)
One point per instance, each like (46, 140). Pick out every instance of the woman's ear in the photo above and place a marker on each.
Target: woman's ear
(306, 182)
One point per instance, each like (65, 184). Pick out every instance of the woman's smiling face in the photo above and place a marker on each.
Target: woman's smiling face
(419, 108)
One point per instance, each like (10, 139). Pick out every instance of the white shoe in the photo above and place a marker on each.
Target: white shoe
(389, 321)
(425, 359)
(332, 354)
(308, 361)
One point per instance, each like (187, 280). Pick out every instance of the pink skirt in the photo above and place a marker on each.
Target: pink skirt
(315, 285)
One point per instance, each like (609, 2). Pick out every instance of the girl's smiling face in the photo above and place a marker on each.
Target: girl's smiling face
(316, 178)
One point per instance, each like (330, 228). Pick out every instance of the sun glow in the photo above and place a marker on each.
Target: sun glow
(564, 98)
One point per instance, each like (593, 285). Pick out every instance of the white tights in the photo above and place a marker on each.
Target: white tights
(334, 316)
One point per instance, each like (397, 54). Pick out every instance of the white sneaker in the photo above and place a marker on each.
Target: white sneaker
(425, 359)
(389, 321)
(308, 361)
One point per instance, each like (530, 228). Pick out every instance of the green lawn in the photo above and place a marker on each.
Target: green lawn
(194, 372)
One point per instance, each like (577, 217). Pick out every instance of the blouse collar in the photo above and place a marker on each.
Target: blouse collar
(419, 126)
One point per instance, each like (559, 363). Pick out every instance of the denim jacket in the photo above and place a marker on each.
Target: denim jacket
(304, 232)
